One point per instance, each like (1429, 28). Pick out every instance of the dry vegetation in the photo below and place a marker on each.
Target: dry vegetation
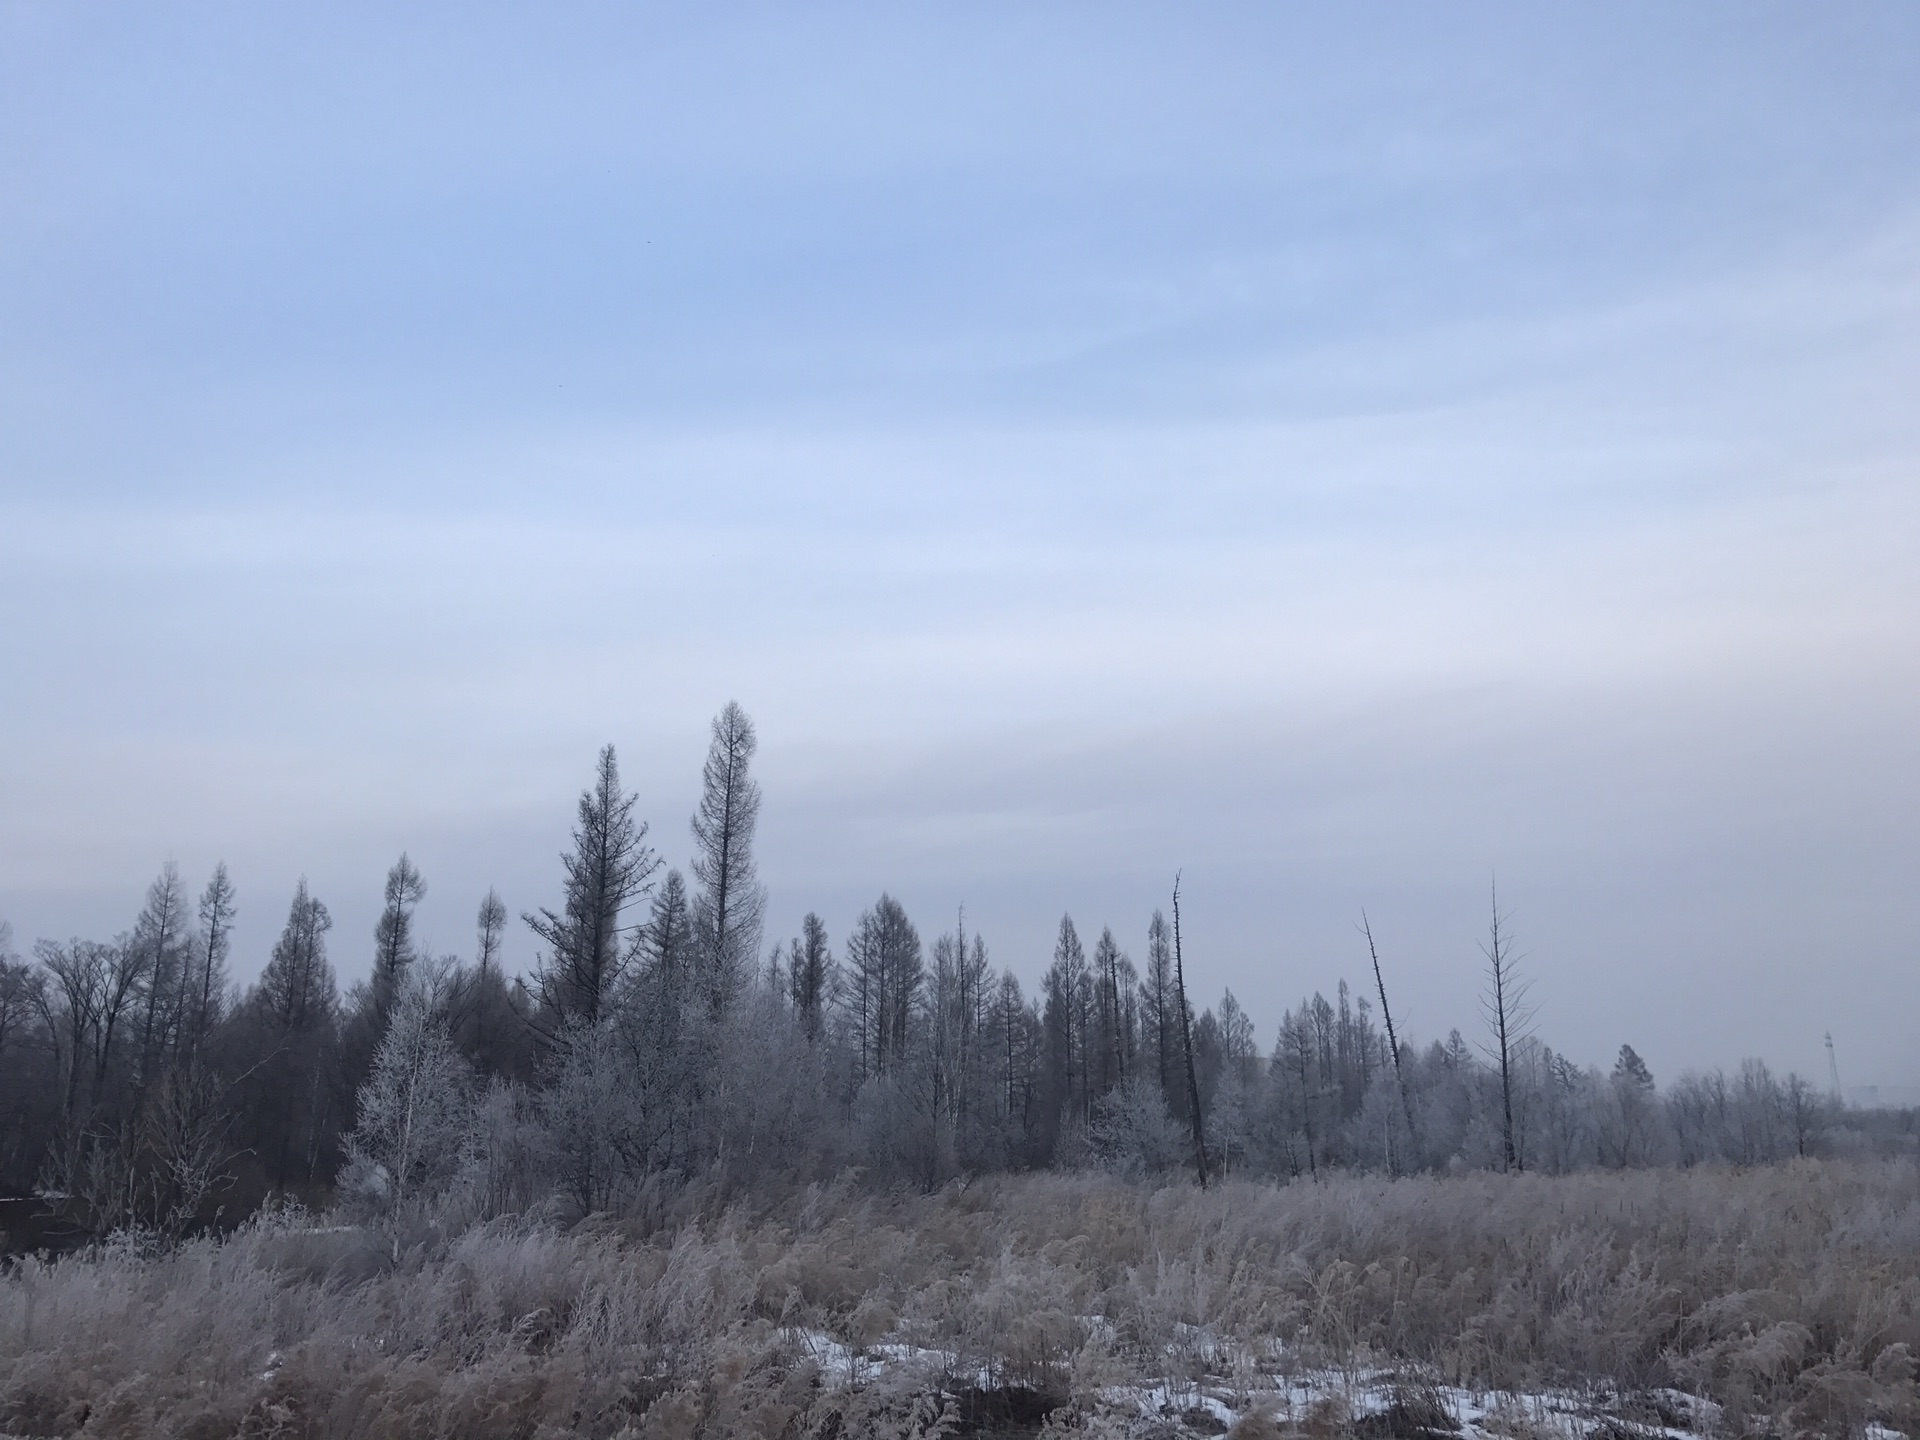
(1789, 1295)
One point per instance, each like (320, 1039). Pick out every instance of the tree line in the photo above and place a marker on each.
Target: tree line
(658, 1037)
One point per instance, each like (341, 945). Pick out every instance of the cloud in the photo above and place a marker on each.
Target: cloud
(1339, 459)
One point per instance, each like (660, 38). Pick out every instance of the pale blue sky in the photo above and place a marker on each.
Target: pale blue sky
(1338, 450)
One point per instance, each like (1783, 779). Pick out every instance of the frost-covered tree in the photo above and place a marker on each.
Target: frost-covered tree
(369, 1006)
(415, 1124)
(1112, 1040)
(1628, 1118)
(1297, 1089)
(885, 973)
(1234, 1102)
(666, 943)
(1066, 1011)
(810, 976)
(729, 902)
(1013, 1043)
(1160, 1025)
(1134, 1132)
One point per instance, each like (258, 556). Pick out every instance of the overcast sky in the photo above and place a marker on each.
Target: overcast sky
(1344, 451)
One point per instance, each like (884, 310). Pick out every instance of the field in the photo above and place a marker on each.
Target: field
(1780, 1300)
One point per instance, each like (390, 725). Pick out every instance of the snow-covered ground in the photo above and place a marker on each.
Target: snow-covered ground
(1398, 1404)
(1274, 1396)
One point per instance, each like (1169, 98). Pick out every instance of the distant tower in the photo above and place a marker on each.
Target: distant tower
(1833, 1069)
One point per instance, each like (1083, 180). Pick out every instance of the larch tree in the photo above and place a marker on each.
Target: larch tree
(886, 972)
(729, 904)
(1012, 1054)
(976, 979)
(1296, 1083)
(296, 1000)
(159, 941)
(486, 1010)
(810, 976)
(207, 989)
(1104, 1053)
(1156, 995)
(609, 866)
(956, 1010)
(897, 946)
(666, 944)
(393, 952)
(296, 990)
(1066, 1012)
(1626, 1131)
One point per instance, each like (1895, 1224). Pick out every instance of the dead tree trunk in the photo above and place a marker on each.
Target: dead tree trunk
(1393, 1040)
(1186, 1043)
(1508, 1016)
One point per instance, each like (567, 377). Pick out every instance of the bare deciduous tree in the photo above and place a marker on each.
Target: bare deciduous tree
(20, 987)
(415, 1111)
(72, 1006)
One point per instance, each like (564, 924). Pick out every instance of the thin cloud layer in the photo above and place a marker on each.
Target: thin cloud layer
(1342, 456)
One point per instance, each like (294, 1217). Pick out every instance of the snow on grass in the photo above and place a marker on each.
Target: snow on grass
(1401, 1406)
(1397, 1401)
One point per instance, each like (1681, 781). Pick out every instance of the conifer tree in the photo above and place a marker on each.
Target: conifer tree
(729, 904)
(393, 953)
(159, 942)
(810, 975)
(207, 989)
(609, 866)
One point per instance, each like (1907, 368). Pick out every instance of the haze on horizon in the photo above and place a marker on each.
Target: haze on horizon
(1340, 453)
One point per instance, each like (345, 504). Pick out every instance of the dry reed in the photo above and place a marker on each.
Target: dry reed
(1789, 1295)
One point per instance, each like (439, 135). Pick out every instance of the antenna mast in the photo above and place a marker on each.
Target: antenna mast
(1833, 1070)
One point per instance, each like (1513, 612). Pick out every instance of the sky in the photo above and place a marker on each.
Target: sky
(1342, 454)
